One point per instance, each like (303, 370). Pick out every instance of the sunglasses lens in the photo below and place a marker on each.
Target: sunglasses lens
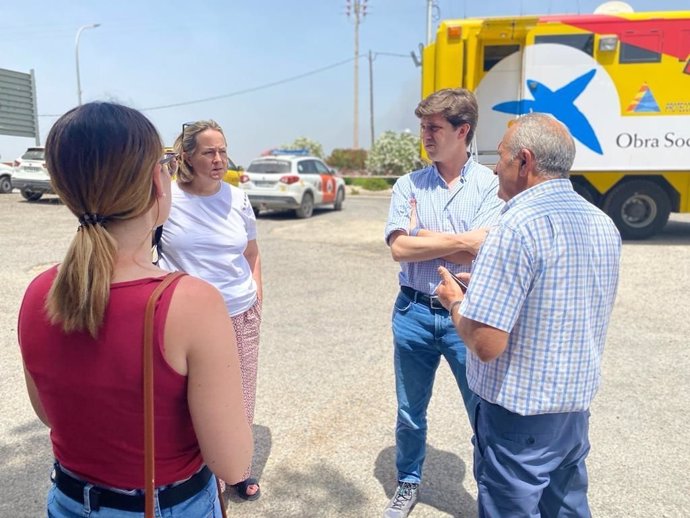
(169, 162)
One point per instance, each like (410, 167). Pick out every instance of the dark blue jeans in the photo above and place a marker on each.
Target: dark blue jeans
(421, 335)
(530, 466)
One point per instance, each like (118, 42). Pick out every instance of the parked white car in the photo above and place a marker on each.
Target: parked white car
(290, 180)
(30, 174)
(6, 178)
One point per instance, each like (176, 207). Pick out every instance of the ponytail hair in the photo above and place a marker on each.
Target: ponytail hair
(100, 157)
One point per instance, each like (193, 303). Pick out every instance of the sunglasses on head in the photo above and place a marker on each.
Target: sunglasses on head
(186, 125)
(170, 163)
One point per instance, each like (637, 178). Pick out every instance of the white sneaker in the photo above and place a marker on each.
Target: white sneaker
(403, 501)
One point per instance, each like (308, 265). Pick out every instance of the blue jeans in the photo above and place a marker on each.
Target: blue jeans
(204, 504)
(530, 466)
(421, 335)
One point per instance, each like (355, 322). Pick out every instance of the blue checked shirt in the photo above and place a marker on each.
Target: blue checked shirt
(547, 274)
(471, 203)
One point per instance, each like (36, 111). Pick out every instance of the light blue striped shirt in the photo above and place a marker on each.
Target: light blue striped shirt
(471, 203)
(547, 274)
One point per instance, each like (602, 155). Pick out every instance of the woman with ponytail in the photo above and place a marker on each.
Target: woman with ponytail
(81, 336)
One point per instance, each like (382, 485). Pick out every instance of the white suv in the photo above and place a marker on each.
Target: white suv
(289, 180)
(6, 178)
(30, 174)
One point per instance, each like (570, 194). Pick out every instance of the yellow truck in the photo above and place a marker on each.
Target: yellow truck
(619, 81)
(233, 174)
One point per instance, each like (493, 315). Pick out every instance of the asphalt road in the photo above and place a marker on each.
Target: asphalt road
(326, 404)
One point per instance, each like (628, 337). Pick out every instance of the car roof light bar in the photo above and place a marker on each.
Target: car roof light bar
(300, 151)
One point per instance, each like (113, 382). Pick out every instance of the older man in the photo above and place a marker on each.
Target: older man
(534, 320)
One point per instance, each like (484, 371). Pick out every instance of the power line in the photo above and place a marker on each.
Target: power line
(406, 56)
(240, 92)
(255, 88)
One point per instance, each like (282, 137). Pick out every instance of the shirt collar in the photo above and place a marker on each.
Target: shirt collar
(546, 188)
(463, 172)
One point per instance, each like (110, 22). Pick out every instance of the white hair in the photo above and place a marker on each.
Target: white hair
(548, 139)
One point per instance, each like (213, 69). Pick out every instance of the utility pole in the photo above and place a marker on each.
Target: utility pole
(357, 9)
(372, 57)
(429, 16)
(371, 97)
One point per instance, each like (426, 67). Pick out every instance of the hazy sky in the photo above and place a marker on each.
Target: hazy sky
(153, 53)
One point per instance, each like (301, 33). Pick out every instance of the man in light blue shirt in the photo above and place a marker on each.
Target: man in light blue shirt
(438, 217)
(534, 319)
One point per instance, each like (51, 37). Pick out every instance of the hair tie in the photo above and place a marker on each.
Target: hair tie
(87, 219)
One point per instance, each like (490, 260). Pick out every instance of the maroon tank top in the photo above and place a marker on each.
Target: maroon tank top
(91, 390)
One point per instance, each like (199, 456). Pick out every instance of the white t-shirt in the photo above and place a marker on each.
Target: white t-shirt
(206, 236)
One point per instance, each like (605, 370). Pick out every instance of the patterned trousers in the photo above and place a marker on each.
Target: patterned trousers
(247, 326)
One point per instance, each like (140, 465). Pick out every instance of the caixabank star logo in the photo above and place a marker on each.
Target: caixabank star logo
(559, 103)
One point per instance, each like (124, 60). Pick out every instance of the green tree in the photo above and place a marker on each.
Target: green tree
(395, 154)
(314, 147)
(348, 159)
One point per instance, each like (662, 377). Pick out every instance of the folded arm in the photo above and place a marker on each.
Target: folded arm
(426, 245)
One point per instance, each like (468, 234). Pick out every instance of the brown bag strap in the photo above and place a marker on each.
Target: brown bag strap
(220, 497)
(149, 451)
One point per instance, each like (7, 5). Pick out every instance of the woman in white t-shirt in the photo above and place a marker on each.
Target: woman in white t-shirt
(211, 234)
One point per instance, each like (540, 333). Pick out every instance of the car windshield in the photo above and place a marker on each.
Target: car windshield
(269, 166)
(34, 154)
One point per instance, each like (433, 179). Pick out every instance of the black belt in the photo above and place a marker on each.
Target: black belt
(101, 497)
(431, 301)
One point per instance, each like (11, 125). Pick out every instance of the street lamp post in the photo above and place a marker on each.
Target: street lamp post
(76, 52)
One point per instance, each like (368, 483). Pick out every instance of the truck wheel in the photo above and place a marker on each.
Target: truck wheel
(339, 197)
(5, 184)
(31, 195)
(639, 208)
(306, 208)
